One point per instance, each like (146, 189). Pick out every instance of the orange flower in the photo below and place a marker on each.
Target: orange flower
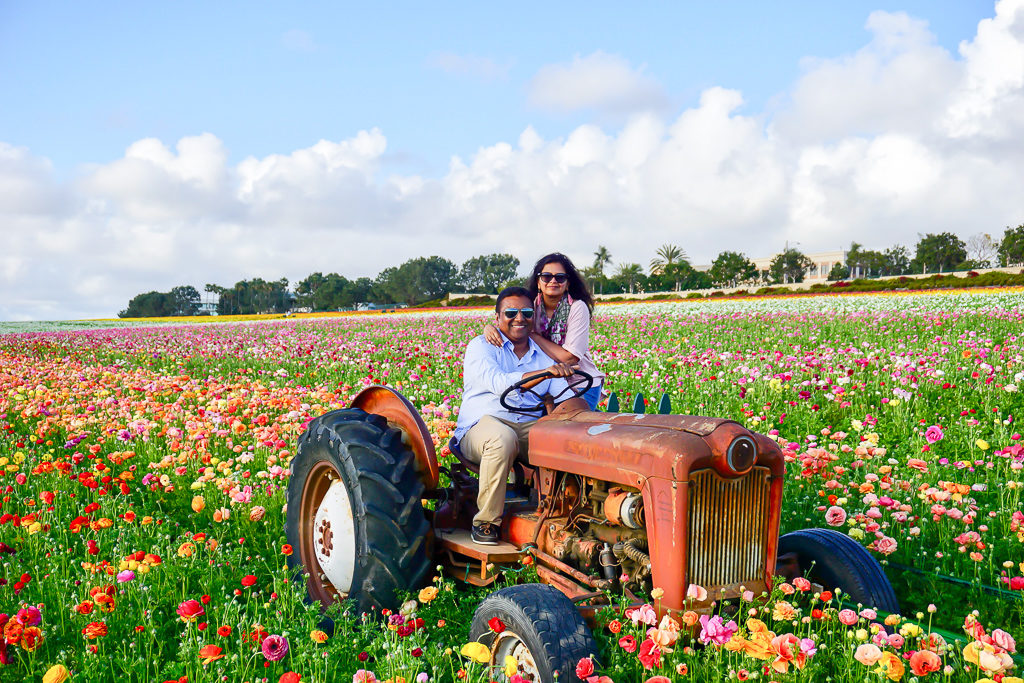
(428, 594)
(783, 611)
(210, 653)
(95, 629)
(923, 662)
(31, 638)
(286, 549)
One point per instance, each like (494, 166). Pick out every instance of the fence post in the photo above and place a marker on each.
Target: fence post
(665, 405)
(613, 403)
(638, 404)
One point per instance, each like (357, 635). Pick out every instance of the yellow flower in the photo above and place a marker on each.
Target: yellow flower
(658, 593)
(478, 652)
(982, 444)
(57, 673)
(511, 666)
(318, 636)
(892, 665)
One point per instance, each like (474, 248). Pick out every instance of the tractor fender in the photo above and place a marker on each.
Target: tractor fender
(402, 414)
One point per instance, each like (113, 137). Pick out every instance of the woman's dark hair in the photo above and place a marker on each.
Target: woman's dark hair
(577, 285)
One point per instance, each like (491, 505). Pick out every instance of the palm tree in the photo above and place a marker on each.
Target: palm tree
(630, 274)
(601, 259)
(667, 255)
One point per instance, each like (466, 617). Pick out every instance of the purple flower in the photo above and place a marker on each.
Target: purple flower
(934, 434)
(125, 576)
(275, 647)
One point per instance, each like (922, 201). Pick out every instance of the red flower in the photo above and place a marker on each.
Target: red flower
(615, 626)
(585, 667)
(210, 653)
(650, 654)
(286, 549)
(95, 629)
(224, 631)
(290, 677)
(496, 624)
(190, 610)
(628, 643)
(248, 580)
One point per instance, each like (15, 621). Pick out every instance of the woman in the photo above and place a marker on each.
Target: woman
(563, 305)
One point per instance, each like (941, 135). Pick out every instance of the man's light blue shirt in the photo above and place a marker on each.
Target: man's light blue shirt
(488, 370)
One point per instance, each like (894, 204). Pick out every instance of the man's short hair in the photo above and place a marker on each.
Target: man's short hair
(511, 291)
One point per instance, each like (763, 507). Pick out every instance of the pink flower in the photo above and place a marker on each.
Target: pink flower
(714, 630)
(934, 434)
(1004, 640)
(364, 676)
(274, 647)
(867, 654)
(886, 545)
(835, 516)
(848, 617)
(644, 614)
(896, 641)
(695, 592)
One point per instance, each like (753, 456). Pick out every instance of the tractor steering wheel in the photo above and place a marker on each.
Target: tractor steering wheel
(575, 389)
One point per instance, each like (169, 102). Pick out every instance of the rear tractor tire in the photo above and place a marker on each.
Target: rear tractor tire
(834, 560)
(355, 518)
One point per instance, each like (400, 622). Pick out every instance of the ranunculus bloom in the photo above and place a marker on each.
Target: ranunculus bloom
(95, 629)
(428, 594)
(496, 624)
(274, 647)
(248, 580)
(714, 630)
(835, 516)
(933, 434)
(695, 592)
(848, 617)
(658, 679)
(210, 653)
(628, 643)
(1004, 640)
(478, 652)
(923, 662)
(58, 673)
(650, 654)
(290, 677)
(787, 651)
(783, 611)
(190, 610)
(29, 616)
(868, 654)
(584, 668)
(364, 676)
(893, 665)
(198, 504)
(125, 576)
(886, 545)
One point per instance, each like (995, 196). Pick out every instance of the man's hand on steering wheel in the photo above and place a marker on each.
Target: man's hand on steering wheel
(531, 379)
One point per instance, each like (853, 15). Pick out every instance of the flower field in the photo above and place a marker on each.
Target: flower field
(143, 470)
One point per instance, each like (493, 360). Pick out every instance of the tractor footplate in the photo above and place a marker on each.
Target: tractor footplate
(473, 562)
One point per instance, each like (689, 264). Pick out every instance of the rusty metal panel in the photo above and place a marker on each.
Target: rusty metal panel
(729, 526)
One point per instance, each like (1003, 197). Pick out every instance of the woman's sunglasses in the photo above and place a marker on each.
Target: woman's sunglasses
(511, 313)
(557, 277)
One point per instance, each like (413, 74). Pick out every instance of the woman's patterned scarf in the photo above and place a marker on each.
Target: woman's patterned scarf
(553, 329)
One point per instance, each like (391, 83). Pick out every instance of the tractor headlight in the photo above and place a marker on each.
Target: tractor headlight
(742, 454)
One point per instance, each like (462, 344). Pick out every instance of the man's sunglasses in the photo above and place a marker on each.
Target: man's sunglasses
(557, 277)
(511, 313)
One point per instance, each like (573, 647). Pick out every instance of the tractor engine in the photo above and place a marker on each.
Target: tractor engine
(652, 501)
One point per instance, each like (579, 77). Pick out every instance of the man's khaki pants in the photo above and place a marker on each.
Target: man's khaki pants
(494, 443)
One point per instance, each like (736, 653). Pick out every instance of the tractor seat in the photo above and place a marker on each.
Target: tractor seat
(522, 474)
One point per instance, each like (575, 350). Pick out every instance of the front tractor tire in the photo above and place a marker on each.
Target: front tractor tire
(543, 631)
(355, 518)
(834, 560)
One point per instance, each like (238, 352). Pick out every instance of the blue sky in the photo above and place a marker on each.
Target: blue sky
(81, 81)
(146, 145)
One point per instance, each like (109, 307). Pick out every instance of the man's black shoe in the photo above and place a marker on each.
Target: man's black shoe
(485, 534)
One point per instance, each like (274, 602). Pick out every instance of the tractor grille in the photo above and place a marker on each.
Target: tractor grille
(728, 528)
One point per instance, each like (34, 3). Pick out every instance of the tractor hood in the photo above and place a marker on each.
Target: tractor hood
(628, 449)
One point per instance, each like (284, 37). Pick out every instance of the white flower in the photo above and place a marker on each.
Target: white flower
(1011, 388)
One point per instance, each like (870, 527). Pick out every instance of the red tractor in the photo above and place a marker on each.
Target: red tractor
(602, 502)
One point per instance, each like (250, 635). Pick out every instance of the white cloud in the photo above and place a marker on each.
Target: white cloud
(599, 81)
(483, 69)
(897, 139)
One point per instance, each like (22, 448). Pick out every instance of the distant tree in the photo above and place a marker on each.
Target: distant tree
(1011, 247)
(487, 274)
(307, 288)
(602, 259)
(982, 250)
(419, 279)
(896, 261)
(839, 272)
(678, 276)
(789, 266)
(667, 255)
(150, 305)
(630, 276)
(186, 300)
(938, 253)
(731, 268)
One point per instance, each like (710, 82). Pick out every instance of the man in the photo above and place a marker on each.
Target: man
(486, 432)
